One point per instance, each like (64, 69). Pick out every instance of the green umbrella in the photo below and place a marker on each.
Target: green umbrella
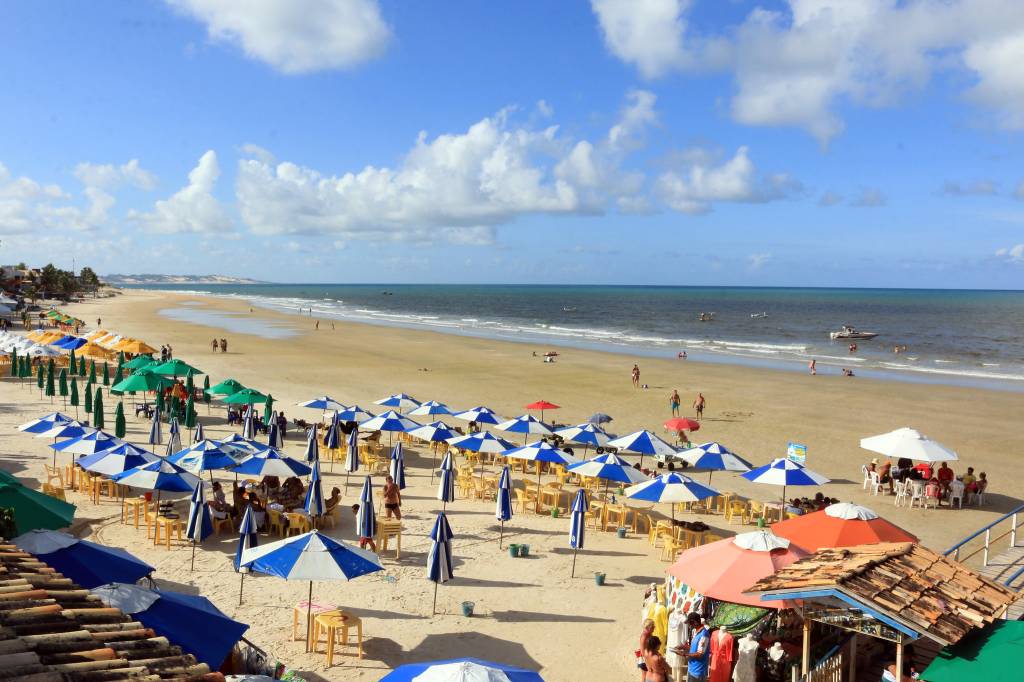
(190, 385)
(990, 653)
(97, 409)
(119, 374)
(39, 379)
(26, 367)
(88, 397)
(267, 410)
(190, 413)
(226, 387)
(14, 363)
(81, 367)
(120, 359)
(139, 361)
(141, 380)
(62, 386)
(120, 427)
(179, 409)
(51, 389)
(73, 399)
(72, 367)
(92, 371)
(246, 396)
(32, 509)
(106, 374)
(206, 392)
(176, 368)
(160, 402)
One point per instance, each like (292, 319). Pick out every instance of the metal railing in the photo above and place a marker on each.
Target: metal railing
(987, 532)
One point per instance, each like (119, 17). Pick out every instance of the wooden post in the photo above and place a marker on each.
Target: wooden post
(853, 657)
(805, 655)
(899, 657)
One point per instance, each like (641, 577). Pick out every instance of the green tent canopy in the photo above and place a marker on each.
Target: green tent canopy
(992, 653)
(33, 509)
(247, 396)
(177, 368)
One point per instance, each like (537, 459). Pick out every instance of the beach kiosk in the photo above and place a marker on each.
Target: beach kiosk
(896, 592)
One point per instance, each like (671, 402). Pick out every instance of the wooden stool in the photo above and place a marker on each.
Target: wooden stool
(332, 622)
(314, 609)
(136, 503)
(169, 525)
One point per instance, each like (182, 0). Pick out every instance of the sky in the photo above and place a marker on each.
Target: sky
(693, 142)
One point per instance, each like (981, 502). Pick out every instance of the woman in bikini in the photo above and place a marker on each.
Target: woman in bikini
(658, 669)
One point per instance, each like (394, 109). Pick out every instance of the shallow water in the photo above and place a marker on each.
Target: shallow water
(236, 323)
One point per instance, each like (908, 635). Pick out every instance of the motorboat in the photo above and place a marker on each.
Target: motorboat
(706, 317)
(758, 316)
(849, 333)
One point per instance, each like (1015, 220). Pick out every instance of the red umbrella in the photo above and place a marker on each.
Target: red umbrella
(682, 424)
(840, 525)
(542, 405)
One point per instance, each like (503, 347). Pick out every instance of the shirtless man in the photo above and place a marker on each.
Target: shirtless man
(698, 405)
(673, 402)
(392, 498)
(636, 376)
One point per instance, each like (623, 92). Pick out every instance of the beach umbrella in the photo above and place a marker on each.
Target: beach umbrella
(159, 475)
(268, 411)
(578, 527)
(843, 524)
(430, 408)
(586, 433)
(671, 488)
(118, 375)
(249, 425)
(73, 397)
(97, 409)
(248, 538)
(311, 556)
(199, 434)
(351, 454)
(245, 396)
(15, 361)
(45, 423)
(714, 457)
(481, 441)
(106, 374)
(610, 467)
(88, 443)
(323, 403)
(542, 405)
(33, 509)
(206, 392)
(51, 382)
(226, 388)
(314, 503)
(396, 466)
(175, 616)
(909, 444)
(274, 439)
(140, 361)
(366, 522)
(190, 413)
(155, 434)
(176, 368)
(312, 445)
(599, 418)
(86, 563)
(206, 455)
(643, 442)
(352, 414)
(120, 424)
(199, 526)
(480, 415)
(173, 436)
(116, 460)
(389, 421)
(784, 472)
(72, 429)
(446, 484)
(62, 386)
(92, 371)
(440, 568)
(538, 452)
(503, 503)
(727, 568)
(160, 404)
(40, 381)
(434, 433)
(400, 402)
(72, 365)
(526, 425)
(682, 424)
(81, 366)
(460, 670)
(242, 444)
(270, 462)
(88, 397)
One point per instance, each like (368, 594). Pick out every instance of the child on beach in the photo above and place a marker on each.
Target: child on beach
(363, 541)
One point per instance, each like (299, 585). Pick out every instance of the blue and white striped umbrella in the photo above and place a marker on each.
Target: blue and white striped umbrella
(525, 424)
(116, 460)
(503, 501)
(243, 446)
(173, 437)
(643, 442)
(400, 401)
(609, 467)
(322, 403)
(588, 434)
(333, 436)
(434, 432)
(446, 486)
(448, 464)
(541, 451)
(578, 526)
(248, 538)
(271, 462)
(430, 408)
(156, 436)
(89, 444)
(352, 455)
(199, 526)
(158, 475)
(206, 455)
(274, 436)
(481, 441)
(388, 421)
(480, 415)
(249, 425)
(314, 504)
(714, 457)
(440, 568)
(366, 521)
(312, 445)
(671, 487)
(199, 435)
(460, 670)
(784, 472)
(70, 429)
(353, 414)
(396, 466)
(45, 423)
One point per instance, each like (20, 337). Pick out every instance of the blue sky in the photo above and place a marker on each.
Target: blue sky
(809, 142)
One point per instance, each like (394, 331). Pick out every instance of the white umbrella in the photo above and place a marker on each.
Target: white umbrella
(910, 444)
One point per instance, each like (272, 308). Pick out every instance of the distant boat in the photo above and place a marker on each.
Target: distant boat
(569, 309)
(758, 316)
(849, 333)
(706, 317)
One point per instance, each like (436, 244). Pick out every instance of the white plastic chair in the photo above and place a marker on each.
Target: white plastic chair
(867, 476)
(917, 493)
(902, 489)
(876, 482)
(976, 498)
(956, 492)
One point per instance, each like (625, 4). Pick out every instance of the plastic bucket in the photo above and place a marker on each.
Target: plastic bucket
(467, 608)
(621, 532)
(148, 496)
(524, 550)
(554, 512)
(599, 579)
(513, 551)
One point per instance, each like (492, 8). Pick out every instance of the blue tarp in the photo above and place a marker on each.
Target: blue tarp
(194, 624)
(91, 565)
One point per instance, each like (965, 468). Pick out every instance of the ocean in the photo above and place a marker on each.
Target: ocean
(971, 338)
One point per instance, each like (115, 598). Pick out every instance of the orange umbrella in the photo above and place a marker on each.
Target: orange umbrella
(725, 569)
(840, 525)
(136, 347)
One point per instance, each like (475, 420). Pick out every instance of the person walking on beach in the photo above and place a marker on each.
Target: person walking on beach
(813, 366)
(316, 325)
(392, 498)
(699, 404)
(673, 402)
(214, 345)
(223, 345)
(657, 668)
(636, 376)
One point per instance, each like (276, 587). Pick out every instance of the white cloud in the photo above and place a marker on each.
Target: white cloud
(1019, 192)
(1013, 254)
(454, 188)
(108, 176)
(30, 206)
(870, 197)
(296, 36)
(976, 188)
(792, 67)
(193, 208)
(703, 179)
(758, 260)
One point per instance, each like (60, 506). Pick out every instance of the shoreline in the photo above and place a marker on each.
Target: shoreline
(738, 353)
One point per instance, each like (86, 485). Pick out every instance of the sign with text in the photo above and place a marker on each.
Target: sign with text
(797, 452)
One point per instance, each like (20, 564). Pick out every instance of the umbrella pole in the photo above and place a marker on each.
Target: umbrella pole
(573, 573)
(309, 607)
(241, 585)
(536, 509)
(433, 462)
(433, 609)
(193, 566)
(710, 474)
(501, 536)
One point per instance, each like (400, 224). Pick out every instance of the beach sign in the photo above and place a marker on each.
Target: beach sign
(797, 452)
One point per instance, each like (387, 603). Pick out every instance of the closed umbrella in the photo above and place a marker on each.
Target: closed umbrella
(366, 521)
(120, 423)
(97, 410)
(312, 453)
(199, 434)
(248, 538)
(249, 425)
(352, 454)
(440, 568)
(86, 563)
(173, 436)
(155, 433)
(274, 439)
(314, 503)
(446, 485)
(578, 527)
(396, 466)
(199, 526)
(503, 503)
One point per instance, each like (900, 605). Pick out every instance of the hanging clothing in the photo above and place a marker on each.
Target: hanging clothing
(720, 669)
(659, 614)
(746, 660)
(678, 634)
(774, 667)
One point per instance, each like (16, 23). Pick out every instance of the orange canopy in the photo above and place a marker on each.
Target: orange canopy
(96, 334)
(725, 569)
(840, 525)
(91, 350)
(135, 347)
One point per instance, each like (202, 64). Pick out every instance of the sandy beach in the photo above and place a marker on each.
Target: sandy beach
(528, 611)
